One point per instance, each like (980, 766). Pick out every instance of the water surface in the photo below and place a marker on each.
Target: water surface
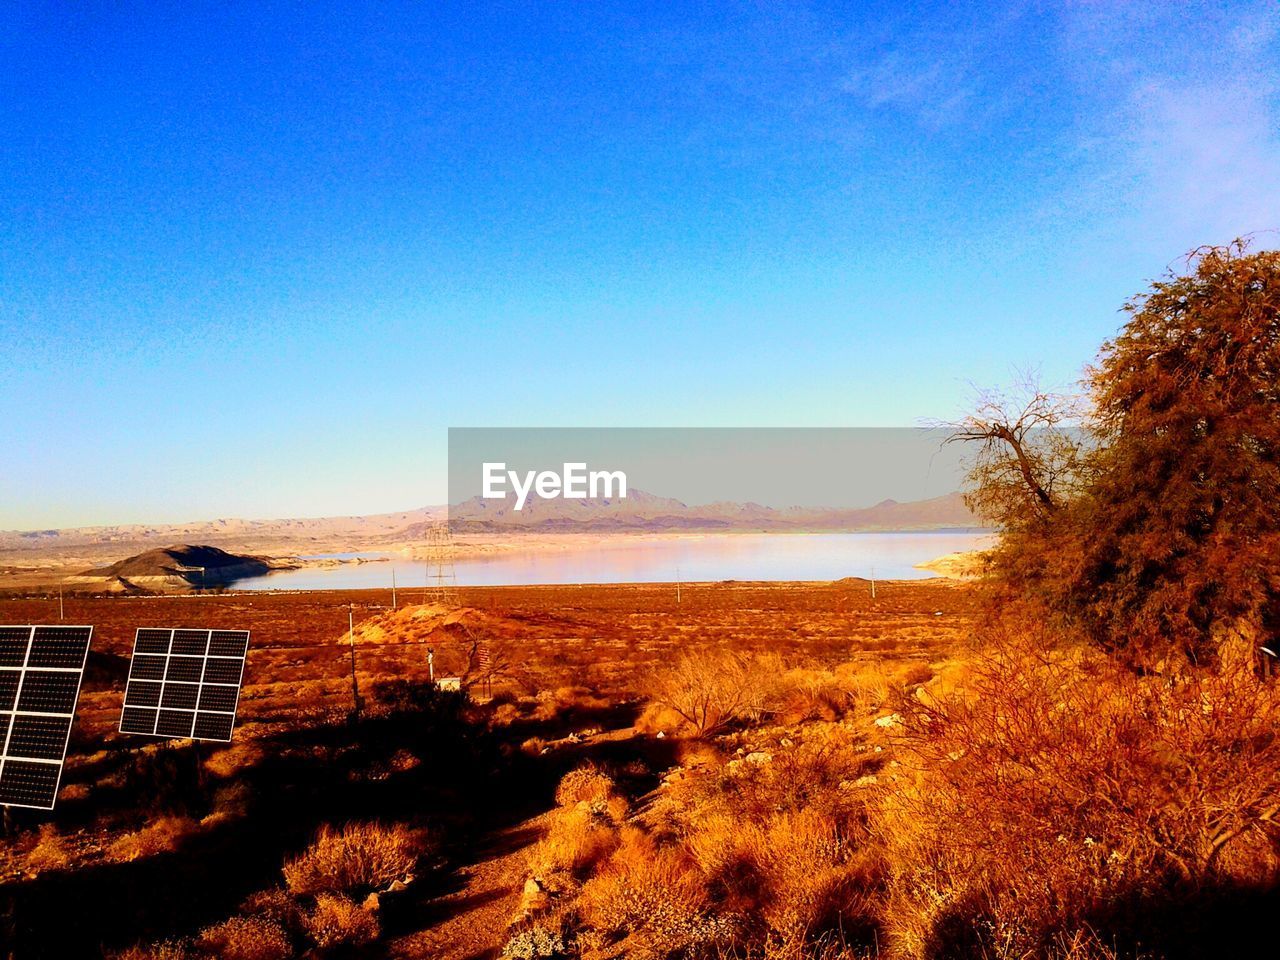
(693, 558)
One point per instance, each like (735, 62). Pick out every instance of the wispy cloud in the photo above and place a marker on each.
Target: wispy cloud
(1182, 127)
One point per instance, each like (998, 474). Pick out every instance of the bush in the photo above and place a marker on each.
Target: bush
(1069, 795)
(246, 938)
(712, 689)
(577, 839)
(359, 857)
(536, 943)
(654, 896)
(339, 921)
(584, 785)
(275, 905)
(809, 877)
(659, 718)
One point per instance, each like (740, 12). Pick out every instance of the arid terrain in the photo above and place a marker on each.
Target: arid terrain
(139, 822)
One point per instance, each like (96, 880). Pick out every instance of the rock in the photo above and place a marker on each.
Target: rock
(372, 903)
(892, 720)
(759, 756)
(661, 735)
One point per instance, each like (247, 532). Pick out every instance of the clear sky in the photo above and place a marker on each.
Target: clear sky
(255, 258)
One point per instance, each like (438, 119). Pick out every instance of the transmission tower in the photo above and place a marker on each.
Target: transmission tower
(441, 586)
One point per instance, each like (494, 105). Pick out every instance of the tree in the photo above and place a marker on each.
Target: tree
(1184, 511)
(1160, 532)
(1029, 459)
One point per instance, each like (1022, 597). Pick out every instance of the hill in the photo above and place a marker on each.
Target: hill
(177, 569)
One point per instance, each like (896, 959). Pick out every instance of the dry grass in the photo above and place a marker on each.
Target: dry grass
(339, 921)
(246, 938)
(160, 836)
(50, 852)
(357, 857)
(165, 950)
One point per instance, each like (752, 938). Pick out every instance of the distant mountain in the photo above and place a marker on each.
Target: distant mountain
(644, 511)
(638, 511)
(228, 532)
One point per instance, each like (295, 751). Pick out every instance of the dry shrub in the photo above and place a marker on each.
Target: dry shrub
(586, 784)
(794, 871)
(714, 688)
(660, 718)
(578, 838)
(1070, 794)
(911, 675)
(811, 774)
(653, 895)
(867, 683)
(246, 938)
(505, 714)
(72, 792)
(275, 905)
(164, 950)
(809, 695)
(565, 701)
(160, 836)
(50, 852)
(536, 943)
(360, 856)
(339, 921)
(584, 830)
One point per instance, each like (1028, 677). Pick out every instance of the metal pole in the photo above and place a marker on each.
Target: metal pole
(61, 615)
(393, 588)
(873, 583)
(351, 636)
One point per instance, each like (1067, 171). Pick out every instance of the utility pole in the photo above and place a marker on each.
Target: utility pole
(61, 614)
(873, 583)
(677, 585)
(393, 588)
(351, 637)
(431, 663)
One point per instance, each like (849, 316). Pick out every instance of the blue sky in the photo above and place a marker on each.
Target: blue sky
(255, 258)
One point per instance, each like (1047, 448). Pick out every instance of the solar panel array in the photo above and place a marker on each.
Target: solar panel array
(40, 673)
(184, 683)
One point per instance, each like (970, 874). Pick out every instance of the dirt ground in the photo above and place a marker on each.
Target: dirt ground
(301, 768)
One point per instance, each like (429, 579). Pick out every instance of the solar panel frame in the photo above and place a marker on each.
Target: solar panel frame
(38, 708)
(169, 674)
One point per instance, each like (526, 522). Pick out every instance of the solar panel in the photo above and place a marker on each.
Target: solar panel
(184, 683)
(40, 673)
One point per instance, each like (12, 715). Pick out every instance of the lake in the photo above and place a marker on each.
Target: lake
(691, 559)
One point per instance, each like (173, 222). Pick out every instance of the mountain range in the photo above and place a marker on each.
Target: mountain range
(645, 511)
